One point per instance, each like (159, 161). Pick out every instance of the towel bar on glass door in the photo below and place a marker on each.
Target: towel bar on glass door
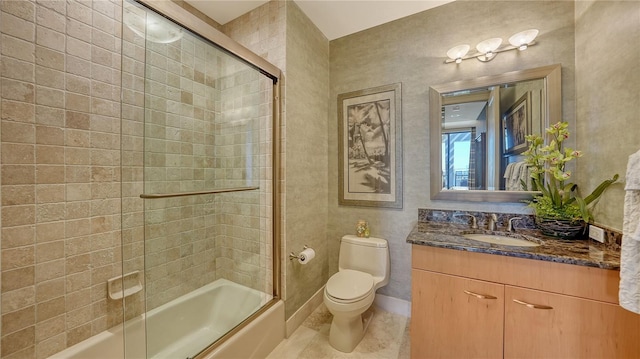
(182, 194)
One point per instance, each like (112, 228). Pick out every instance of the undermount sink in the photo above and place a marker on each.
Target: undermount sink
(501, 240)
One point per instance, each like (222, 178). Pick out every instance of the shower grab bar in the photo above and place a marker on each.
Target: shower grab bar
(182, 194)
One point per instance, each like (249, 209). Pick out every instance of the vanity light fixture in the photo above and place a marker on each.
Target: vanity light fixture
(458, 52)
(488, 49)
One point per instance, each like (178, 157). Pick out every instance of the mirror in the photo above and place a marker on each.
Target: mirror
(477, 130)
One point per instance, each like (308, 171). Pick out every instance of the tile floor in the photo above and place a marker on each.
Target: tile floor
(386, 338)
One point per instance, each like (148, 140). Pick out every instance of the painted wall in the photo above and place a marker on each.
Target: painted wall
(412, 51)
(607, 98)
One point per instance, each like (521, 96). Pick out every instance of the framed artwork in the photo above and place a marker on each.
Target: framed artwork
(370, 147)
(516, 125)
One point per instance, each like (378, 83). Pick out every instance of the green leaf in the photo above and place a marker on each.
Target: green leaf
(600, 189)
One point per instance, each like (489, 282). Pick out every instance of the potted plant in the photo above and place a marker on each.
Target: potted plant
(559, 210)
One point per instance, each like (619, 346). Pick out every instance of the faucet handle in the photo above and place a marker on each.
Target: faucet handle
(491, 224)
(474, 221)
(510, 227)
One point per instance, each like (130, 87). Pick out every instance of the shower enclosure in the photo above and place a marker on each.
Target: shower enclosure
(199, 215)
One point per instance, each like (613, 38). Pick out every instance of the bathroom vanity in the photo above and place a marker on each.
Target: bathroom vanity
(557, 300)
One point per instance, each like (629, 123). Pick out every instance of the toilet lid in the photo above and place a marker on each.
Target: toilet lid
(349, 284)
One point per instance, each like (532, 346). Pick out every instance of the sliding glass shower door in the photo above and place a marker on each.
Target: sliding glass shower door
(197, 188)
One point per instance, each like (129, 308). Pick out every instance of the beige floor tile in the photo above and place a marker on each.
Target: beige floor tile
(386, 338)
(291, 347)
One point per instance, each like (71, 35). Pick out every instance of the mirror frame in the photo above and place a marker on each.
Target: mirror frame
(552, 110)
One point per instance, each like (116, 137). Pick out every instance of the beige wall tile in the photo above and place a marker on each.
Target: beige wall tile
(18, 215)
(18, 49)
(49, 174)
(49, 328)
(46, 96)
(16, 299)
(17, 195)
(49, 251)
(24, 10)
(15, 258)
(48, 135)
(18, 236)
(18, 319)
(18, 91)
(49, 154)
(17, 154)
(17, 27)
(50, 309)
(17, 341)
(49, 38)
(18, 278)
(46, 232)
(18, 132)
(49, 116)
(49, 270)
(50, 193)
(50, 58)
(17, 69)
(50, 212)
(49, 77)
(50, 346)
(17, 111)
(49, 290)
(78, 334)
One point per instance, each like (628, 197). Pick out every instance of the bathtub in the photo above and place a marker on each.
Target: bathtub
(182, 327)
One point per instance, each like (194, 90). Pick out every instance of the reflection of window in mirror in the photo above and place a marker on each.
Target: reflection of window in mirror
(464, 151)
(455, 162)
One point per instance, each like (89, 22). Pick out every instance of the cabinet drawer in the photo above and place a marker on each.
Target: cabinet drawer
(567, 327)
(580, 281)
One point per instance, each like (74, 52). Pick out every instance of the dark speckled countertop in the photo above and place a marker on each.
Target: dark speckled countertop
(577, 252)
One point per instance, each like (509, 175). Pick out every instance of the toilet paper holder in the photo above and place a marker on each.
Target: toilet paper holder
(296, 256)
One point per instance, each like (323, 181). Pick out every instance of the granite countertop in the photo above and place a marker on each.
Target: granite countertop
(578, 252)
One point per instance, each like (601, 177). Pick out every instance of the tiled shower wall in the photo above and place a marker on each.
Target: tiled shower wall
(60, 134)
(61, 177)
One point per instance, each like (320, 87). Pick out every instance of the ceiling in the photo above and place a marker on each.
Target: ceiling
(335, 18)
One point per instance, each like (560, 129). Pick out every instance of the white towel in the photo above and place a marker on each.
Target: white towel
(524, 176)
(513, 182)
(629, 294)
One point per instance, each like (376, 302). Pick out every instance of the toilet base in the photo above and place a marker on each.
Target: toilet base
(347, 332)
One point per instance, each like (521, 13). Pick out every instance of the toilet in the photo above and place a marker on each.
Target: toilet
(363, 267)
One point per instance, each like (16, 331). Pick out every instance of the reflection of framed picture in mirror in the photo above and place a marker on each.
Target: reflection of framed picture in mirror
(370, 147)
(516, 125)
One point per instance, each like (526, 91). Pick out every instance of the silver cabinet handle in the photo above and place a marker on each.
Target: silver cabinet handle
(480, 296)
(532, 306)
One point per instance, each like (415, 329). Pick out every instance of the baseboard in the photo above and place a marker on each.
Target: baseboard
(303, 312)
(393, 305)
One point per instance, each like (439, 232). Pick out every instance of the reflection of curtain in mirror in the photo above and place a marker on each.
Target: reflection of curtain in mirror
(472, 160)
(478, 162)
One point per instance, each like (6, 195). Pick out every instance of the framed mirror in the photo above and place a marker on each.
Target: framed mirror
(478, 128)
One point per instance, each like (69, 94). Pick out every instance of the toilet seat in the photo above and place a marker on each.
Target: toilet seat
(348, 286)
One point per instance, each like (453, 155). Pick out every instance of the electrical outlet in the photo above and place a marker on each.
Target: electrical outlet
(596, 233)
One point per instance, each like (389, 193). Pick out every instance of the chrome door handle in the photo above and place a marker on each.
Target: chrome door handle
(533, 306)
(480, 296)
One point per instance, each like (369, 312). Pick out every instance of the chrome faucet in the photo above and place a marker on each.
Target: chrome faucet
(510, 227)
(474, 221)
(491, 224)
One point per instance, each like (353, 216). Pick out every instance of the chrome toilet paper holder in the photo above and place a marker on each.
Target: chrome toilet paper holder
(296, 256)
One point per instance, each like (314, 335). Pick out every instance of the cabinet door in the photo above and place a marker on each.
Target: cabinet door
(545, 325)
(454, 317)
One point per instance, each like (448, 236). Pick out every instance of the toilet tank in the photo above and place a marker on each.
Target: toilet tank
(369, 255)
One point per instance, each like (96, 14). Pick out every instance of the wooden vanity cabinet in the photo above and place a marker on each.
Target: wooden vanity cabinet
(541, 309)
